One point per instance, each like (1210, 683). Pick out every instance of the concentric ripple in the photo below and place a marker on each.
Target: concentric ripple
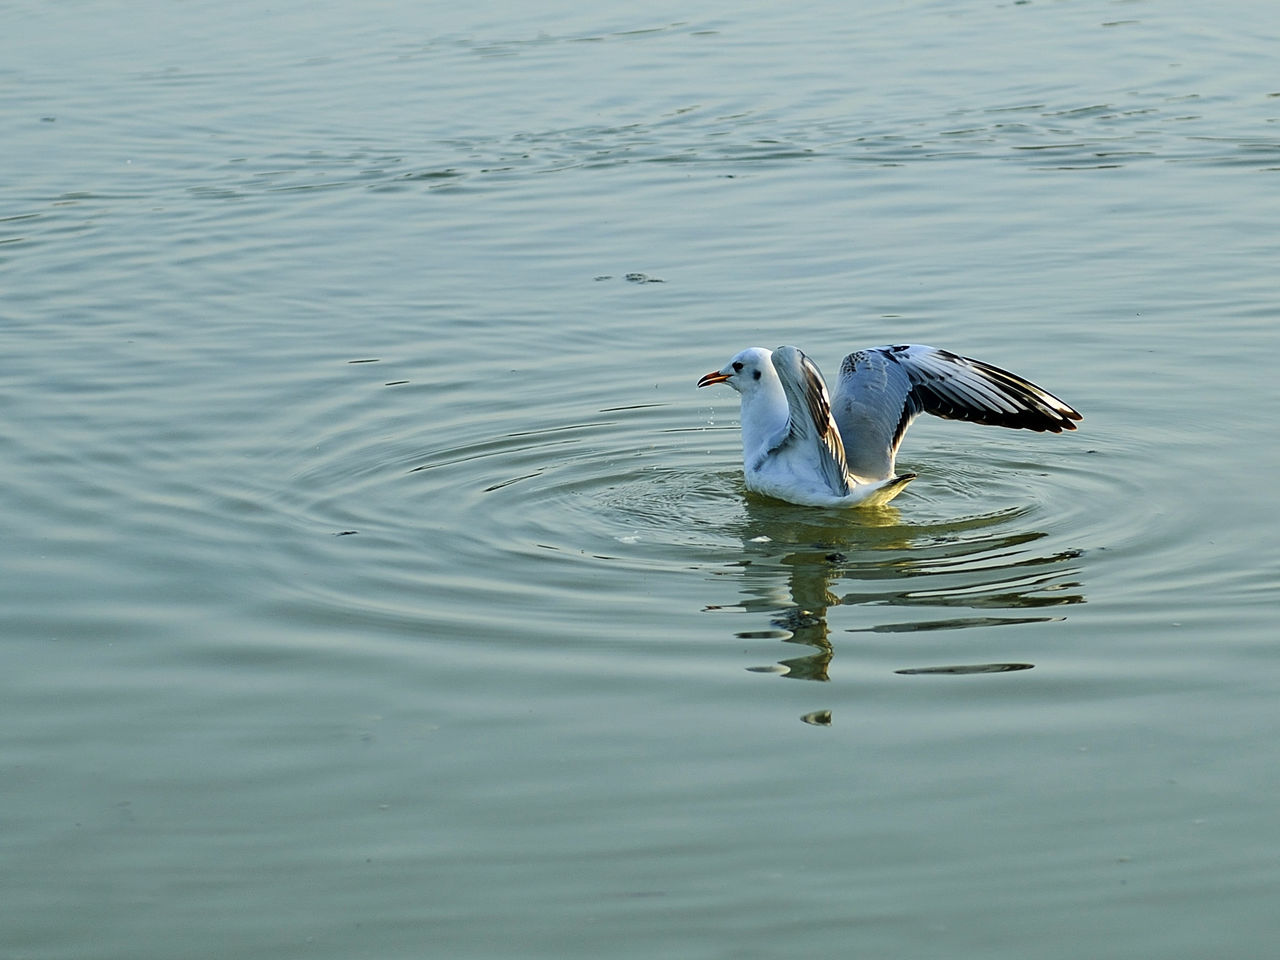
(466, 517)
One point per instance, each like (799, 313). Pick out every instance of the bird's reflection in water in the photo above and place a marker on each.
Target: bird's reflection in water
(987, 571)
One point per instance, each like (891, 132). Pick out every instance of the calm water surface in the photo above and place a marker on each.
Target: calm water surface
(376, 583)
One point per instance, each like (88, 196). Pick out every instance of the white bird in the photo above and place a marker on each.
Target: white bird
(802, 446)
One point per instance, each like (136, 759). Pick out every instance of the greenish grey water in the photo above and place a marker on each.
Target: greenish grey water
(375, 581)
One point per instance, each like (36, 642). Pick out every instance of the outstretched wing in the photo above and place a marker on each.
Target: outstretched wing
(883, 389)
(811, 427)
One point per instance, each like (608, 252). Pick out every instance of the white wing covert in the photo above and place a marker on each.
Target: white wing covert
(811, 425)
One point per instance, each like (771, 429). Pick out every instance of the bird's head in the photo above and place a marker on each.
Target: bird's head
(743, 372)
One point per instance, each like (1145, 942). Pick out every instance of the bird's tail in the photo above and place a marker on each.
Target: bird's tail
(882, 491)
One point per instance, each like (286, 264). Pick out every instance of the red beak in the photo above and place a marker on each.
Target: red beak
(715, 376)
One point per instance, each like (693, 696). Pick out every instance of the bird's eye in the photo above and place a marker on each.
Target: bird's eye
(737, 367)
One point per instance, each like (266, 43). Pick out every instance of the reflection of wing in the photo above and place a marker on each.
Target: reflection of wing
(811, 431)
(882, 390)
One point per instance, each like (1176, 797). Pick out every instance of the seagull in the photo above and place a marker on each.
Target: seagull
(802, 446)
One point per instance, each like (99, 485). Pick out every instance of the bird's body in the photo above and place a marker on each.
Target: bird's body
(804, 446)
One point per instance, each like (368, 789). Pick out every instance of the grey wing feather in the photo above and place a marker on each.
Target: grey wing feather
(811, 423)
(961, 388)
(872, 407)
(882, 390)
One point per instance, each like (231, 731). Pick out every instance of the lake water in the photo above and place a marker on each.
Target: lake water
(376, 583)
